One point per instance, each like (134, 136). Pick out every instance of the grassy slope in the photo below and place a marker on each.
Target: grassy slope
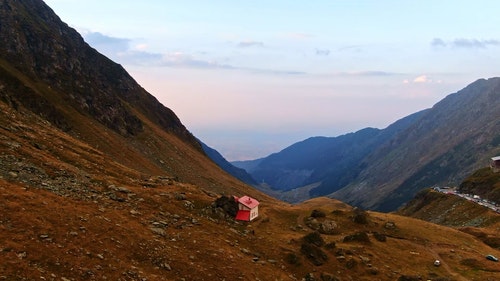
(90, 204)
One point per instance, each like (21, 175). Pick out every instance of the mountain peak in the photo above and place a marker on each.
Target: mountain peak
(42, 47)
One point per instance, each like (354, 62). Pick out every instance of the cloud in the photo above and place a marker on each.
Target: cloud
(324, 52)
(474, 43)
(246, 44)
(465, 43)
(120, 50)
(179, 59)
(422, 79)
(106, 43)
(141, 47)
(438, 42)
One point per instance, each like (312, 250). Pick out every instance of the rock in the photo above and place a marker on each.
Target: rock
(189, 205)
(312, 223)
(134, 212)
(390, 225)
(227, 204)
(122, 189)
(166, 266)
(158, 231)
(341, 258)
(373, 270)
(245, 251)
(328, 227)
(365, 260)
(180, 196)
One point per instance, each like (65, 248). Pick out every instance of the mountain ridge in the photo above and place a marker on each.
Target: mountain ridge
(405, 158)
(47, 69)
(92, 187)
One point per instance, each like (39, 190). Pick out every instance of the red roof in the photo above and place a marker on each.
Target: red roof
(248, 202)
(243, 215)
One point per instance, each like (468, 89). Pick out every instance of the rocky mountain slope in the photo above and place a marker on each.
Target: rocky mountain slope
(463, 207)
(484, 182)
(48, 70)
(382, 169)
(456, 136)
(100, 182)
(329, 162)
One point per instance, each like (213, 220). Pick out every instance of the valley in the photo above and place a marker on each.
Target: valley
(100, 181)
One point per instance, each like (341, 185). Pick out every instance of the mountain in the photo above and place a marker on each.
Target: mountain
(47, 71)
(99, 181)
(382, 169)
(236, 172)
(247, 165)
(456, 136)
(325, 163)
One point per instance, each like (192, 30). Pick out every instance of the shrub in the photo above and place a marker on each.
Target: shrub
(292, 258)
(357, 237)
(318, 214)
(313, 253)
(380, 237)
(360, 216)
(314, 238)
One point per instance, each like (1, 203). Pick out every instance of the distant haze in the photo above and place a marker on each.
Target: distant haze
(252, 77)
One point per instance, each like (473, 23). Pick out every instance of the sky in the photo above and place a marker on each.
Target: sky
(252, 77)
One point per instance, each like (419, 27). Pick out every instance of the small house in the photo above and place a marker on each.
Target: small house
(495, 164)
(248, 208)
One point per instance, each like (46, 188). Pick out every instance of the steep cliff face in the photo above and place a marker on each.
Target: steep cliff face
(44, 49)
(48, 74)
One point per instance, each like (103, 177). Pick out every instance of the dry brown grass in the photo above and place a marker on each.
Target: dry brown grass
(90, 230)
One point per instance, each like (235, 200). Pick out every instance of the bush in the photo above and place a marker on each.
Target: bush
(314, 238)
(360, 216)
(313, 253)
(380, 237)
(318, 214)
(357, 237)
(228, 204)
(292, 258)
